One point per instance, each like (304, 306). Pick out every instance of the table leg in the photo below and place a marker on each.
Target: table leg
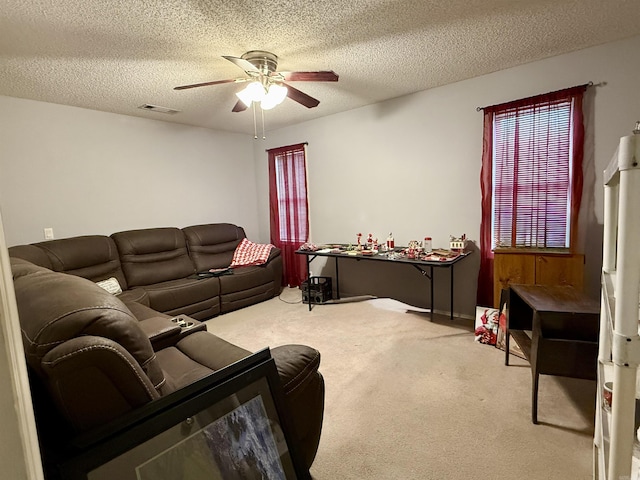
(431, 279)
(451, 310)
(337, 280)
(534, 398)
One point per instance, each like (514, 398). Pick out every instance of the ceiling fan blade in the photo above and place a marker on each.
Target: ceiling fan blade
(245, 65)
(301, 97)
(324, 76)
(240, 106)
(217, 82)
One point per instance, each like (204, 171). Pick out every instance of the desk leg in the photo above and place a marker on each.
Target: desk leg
(506, 346)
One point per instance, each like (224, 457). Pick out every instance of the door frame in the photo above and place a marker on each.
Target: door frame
(11, 340)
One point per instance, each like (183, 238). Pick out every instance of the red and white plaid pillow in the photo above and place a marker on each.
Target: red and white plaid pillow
(249, 253)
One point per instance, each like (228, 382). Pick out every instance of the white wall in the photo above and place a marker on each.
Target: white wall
(86, 172)
(412, 165)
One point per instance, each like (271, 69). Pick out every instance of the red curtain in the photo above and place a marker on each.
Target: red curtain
(578, 156)
(574, 94)
(288, 207)
(485, 278)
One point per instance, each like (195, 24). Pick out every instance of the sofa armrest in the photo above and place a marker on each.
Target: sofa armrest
(165, 332)
(275, 252)
(297, 365)
(162, 332)
(304, 390)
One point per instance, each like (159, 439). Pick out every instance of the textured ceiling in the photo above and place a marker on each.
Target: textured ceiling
(115, 55)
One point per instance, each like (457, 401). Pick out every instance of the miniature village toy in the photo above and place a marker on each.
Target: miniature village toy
(458, 244)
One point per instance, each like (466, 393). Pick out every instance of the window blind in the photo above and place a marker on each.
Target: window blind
(532, 152)
(292, 195)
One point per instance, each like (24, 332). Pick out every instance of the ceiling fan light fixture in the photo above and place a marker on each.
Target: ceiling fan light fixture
(275, 96)
(265, 83)
(254, 92)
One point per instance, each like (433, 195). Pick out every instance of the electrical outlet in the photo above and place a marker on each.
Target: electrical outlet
(48, 233)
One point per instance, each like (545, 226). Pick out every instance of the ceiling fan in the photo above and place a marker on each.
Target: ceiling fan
(266, 85)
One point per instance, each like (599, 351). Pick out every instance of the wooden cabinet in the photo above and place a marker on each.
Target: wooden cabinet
(535, 268)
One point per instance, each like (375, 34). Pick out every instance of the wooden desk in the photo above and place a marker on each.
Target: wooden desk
(564, 326)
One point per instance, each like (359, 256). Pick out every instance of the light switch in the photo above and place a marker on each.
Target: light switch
(48, 233)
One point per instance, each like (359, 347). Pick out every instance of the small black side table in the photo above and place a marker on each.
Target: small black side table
(564, 325)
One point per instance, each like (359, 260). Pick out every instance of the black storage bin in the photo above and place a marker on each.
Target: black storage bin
(316, 290)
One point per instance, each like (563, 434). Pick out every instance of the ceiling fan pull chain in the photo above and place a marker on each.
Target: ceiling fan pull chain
(255, 127)
(262, 112)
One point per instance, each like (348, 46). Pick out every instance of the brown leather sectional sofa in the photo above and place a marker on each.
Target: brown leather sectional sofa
(157, 267)
(95, 356)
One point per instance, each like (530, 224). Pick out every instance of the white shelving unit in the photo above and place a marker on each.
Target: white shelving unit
(619, 347)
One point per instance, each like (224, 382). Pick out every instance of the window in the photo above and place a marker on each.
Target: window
(531, 177)
(289, 208)
(291, 192)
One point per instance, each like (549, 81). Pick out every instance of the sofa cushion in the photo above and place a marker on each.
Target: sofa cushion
(245, 278)
(153, 255)
(142, 311)
(198, 298)
(179, 369)
(21, 267)
(137, 295)
(211, 350)
(212, 245)
(31, 253)
(244, 298)
(94, 257)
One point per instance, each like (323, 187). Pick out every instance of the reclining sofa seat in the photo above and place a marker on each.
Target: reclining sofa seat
(213, 245)
(156, 260)
(96, 360)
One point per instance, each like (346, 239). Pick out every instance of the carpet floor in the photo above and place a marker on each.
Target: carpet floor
(408, 398)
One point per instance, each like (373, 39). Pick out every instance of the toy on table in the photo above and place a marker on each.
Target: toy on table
(390, 242)
(457, 244)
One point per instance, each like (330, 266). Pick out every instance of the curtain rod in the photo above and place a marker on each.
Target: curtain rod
(589, 84)
(301, 143)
